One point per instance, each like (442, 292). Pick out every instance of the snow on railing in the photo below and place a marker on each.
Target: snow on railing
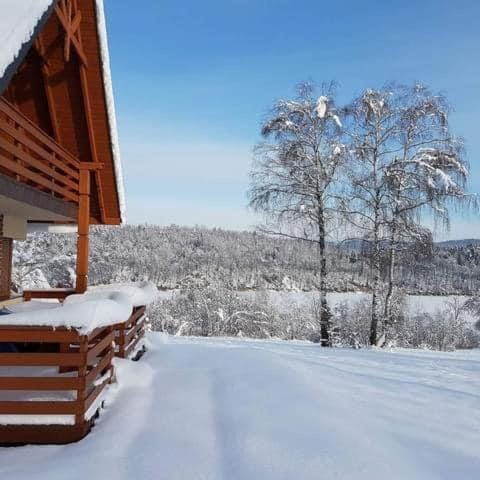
(56, 359)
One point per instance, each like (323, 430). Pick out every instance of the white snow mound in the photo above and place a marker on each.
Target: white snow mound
(139, 293)
(83, 316)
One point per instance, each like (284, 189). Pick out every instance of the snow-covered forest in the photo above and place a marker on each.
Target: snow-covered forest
(216, 282)
(178, 257)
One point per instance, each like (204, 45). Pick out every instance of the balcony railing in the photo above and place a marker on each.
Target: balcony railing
(30, 156)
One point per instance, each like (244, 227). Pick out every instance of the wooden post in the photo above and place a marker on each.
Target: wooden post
(5, 263)
(83, 231)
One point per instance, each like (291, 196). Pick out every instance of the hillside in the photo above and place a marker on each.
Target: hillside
(230, 409)
(178, 257)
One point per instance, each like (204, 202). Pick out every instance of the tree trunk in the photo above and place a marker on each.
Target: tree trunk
(391, 268)
(376, 277)
(324, 310)
(376, 280)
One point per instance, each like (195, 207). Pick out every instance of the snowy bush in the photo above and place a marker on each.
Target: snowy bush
(214, 312)
(224, 312)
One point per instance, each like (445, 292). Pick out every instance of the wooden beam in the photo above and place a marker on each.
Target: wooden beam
(83, 232)
(91, 130)
(91, 166)
(64, 14)
(48, 89)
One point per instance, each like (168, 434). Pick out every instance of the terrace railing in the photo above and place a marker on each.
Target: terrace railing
(86, 358)
(128, 334)
(31, 157)
(51, 294)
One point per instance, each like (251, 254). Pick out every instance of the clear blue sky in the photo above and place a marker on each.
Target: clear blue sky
(193, 80)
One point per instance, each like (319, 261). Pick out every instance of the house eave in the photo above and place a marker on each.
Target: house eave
(32, 204)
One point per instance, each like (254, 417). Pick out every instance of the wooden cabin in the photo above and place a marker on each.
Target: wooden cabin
(59, 166)
(59, 156)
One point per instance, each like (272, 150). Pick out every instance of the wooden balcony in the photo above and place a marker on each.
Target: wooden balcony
(31, 157)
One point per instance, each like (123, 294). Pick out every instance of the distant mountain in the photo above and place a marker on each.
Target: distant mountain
(465, 242)
(459, 243)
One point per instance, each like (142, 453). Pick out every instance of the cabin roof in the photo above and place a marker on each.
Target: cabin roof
(20, 21)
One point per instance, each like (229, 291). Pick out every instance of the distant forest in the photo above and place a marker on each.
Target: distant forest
(180, 257)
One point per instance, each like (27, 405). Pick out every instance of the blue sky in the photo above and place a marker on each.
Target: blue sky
(193, 80)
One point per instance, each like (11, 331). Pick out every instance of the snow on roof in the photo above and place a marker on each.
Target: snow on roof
(84, 317)
(19, 20)
(139, 293)
(112, 118)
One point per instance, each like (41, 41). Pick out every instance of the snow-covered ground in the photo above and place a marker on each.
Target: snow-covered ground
(283, 299)
(416, 303)
(236, 409)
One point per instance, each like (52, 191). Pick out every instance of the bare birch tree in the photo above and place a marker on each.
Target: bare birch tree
(371, 128)
(404, 164)
(295, 174)
(427, 174)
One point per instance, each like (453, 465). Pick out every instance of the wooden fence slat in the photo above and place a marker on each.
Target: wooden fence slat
(36, 336)
(42, 359)
(126, 338)
(19, 152)
(95, 393)
(133, 345)
(18, 169)
(52, 293)
(102, 364)
(41, 408)
(100, 346)
(35, 131)
(39, 150)
(40, 383)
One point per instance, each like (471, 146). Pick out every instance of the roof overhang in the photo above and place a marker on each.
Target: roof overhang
(29, 203)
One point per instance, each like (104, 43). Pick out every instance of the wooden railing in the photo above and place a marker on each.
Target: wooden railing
(88, 358)
(129, 333)
(51, 294)
(32, 157)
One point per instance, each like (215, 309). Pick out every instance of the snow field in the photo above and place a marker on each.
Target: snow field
(234, 409)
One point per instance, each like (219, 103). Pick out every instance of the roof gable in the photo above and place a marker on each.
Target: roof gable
(28, 20)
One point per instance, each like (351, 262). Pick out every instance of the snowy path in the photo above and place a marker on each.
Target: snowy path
(231, 409)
